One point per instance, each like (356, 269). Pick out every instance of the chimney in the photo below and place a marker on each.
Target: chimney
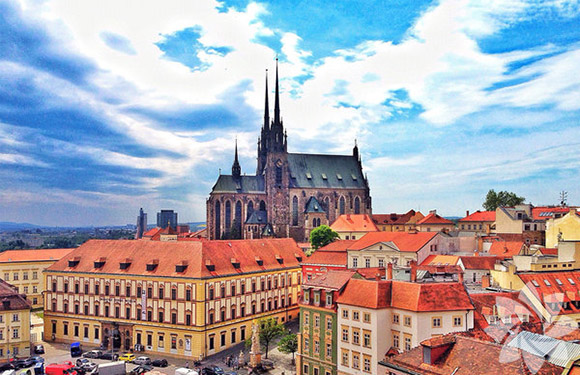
(467, 213)
(434, 212)
(378, 276)
(390, 271)
(485, 282)
(460, 277)
(413, 265)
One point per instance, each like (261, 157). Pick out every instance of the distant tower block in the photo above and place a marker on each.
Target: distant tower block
(141, 224)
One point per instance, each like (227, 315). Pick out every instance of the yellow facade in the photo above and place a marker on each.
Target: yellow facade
(27, 277)
(565, 228)
(14, 333)
(194, 318)
(506, 278)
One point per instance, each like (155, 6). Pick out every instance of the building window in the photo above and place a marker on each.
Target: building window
(96, 288)
(211, 343)
(160, 317)
(436, 322)
(188, 294)
(328, 299)
(76, 331)
(355, 360)
(366, 339)
(233, 336)
(367, 317)
(24, 275)
(295, 211)
(355, 337)
(306, 344)
(149, 316)
(242, 287)
(128, 313)
(117, 290)
(457, 321)
(367, 262)
(86, 332)
(329, 323)
(173, 342)
(345, 334)
(15, 278)
(96, 333)
(107, 290)
(317, 321)
(210, 318)
(345, 358)
(396, 340)
(243, 333)
(233, 312)
(117, 312)
(7, 277)
(381, 263)
(160, 342)
(316, 347)
(306, 317)
(317, 298)
(15, 333)
(367, 365)
(188, 319)
(407, 343)
(355, 315)
(345, 314)
(160, 293)
(25, 290)
(211, 293)
(305, 369)
(407, 321)
(354, 262)
(173, 294)
(149, 292)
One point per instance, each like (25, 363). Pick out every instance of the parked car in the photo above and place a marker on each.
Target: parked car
(37, 359)
(82, 361)
(142, 360)
(38, 349)
(65, 368)
(160, 362)
(76, 349)
(186, 371)
(212, 370)
(93, 354)
(141, 369)
(127, 357)
(6, 366)
(113, 368)
(109, 354)
(23, 363)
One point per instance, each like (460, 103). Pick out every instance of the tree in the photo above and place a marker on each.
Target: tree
(269, 331)
(289, 344)
(494, 200)
(322, 236)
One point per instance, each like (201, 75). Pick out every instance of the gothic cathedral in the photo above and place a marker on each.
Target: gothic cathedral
(290, 194)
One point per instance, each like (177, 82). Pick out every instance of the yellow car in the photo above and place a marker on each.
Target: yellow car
(127, 357)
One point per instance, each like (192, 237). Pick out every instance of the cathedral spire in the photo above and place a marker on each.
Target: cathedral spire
(236, 169)
(266, 106)
(277, 99)
(355, 149)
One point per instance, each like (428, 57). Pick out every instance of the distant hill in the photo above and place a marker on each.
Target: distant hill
(9, 226)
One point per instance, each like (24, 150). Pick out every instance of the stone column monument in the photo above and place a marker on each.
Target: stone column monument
(255, 352)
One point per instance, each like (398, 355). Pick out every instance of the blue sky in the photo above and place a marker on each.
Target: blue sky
(108, 106)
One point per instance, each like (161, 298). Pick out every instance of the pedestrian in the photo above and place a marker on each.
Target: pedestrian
(187, 364)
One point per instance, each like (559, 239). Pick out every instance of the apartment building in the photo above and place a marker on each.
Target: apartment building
(14, 322)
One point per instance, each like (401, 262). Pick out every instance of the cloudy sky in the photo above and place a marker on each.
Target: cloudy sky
(107, 106)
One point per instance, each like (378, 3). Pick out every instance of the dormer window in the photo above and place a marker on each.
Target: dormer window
(259, 261)
(181, 266)
(209, 265)
(339, 176)
(235, 263)
(99, 263)
(353, 177)
(324, 177)
(125, 264)
(298, 257)
(308, 176)
(74, 262)
(279, 259)
(152, 265)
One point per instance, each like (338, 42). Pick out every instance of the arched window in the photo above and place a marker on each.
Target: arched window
(295, 210)
(249, 209)
(341, 206)
(238, 219)
(356, 205)
(262, 206)
(228, 216)
(314, 223)
(327, 206)
(278, 175)
(318, 222)
(217, 220)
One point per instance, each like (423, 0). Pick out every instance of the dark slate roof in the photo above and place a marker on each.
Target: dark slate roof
(268, 231)
(246, 184)
(313, 206)
(258, 217)
(310, 170)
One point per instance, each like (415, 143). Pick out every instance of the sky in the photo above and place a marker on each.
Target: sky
(108, 106)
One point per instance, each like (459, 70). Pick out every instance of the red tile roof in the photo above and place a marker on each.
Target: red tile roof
(545, 213)
(393, 218)
(441, 260)
(10, 294)
(333, 279)
(405, 241)
(506, 249)
(548, 251)
(338, 245)
(354, 223)
(467, 356)
(420, 297)
(434, 219)
(552, 289)
(438, 269)
(430, 296)
(366, 293)
(480, 216)
(335, 258)
(479, 262)
(33, 255)
(203, 258)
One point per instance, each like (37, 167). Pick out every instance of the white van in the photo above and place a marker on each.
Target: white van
(185, 371)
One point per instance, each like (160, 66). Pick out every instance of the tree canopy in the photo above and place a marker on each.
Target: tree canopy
(270, 330)
(494, 200)
(322, 236)
(289, 344)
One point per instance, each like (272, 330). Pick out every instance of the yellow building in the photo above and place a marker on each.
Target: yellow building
(14, 322)
(23, 269)
(185, 299)
(565, 228)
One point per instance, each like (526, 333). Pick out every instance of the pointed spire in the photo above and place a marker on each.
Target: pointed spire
(355, 149)
(277, 99)
(266, 106)
(236, 169)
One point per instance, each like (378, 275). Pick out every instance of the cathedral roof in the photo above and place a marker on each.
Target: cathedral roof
(258, 217)
(325, 171)
(243, 184)
(313, 206)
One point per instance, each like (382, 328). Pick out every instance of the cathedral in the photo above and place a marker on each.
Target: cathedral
(290, 194)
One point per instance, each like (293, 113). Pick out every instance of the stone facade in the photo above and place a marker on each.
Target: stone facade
(279, 200)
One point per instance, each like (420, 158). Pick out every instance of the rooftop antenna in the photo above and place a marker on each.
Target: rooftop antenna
(563, 198)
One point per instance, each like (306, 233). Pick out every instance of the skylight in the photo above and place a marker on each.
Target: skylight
(535, 283)
(324, 176)
(353, 177)
(547, 282)
(339, 176)
(308, 176)
(558, 282)
(571, 281)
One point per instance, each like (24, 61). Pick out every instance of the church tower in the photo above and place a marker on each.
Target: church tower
(236, 169)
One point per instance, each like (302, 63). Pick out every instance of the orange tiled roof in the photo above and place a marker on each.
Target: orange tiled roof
(405, 241)
(333, 279)
(202, 258)
(335, 258)
(434, 219)
(549, 251)
(480, 216)
(552, 289)
(393, 218)
(478, 262)
(403, 295)
(366, 293)
(16, 301)
(506, 249)
(441, 260)
(354, 223)
(338, 245)
(545, 213)
(151, 232)
(467, 356)
(33, 255)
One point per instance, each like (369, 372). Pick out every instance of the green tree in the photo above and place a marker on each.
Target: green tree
(289, 344)
(494, 200)
(322, 236)
(269, 331)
